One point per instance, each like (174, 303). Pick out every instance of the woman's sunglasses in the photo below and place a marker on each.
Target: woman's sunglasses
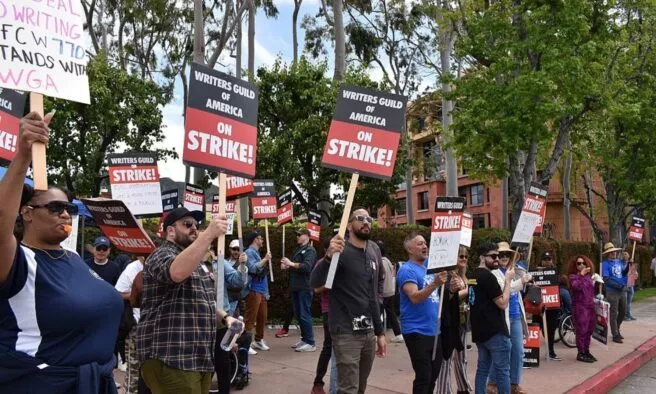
(580, 263)
(57, 207)
(463, 257)
(505, 255)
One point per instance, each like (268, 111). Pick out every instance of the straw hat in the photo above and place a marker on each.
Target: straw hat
(609, 248)
(504, 247)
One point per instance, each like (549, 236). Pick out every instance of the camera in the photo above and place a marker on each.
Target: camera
(362, 323)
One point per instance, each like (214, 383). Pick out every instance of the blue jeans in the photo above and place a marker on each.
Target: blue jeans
(302, 301)
(629, 297)
(333, 374)
(516, 352)
(494, 355)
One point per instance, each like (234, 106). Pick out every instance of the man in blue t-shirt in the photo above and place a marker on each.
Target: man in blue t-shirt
(615, 276)
(420, 302)
(257, 297)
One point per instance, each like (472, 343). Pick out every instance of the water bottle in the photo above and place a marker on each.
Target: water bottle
(231, 335)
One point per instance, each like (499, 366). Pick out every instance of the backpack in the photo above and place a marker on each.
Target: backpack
(533, 300)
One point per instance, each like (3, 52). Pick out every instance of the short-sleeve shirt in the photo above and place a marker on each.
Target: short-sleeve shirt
(124, 283)
(178, 320)
(109, 271)
(418, 318)
(56, 309)
(487, 319)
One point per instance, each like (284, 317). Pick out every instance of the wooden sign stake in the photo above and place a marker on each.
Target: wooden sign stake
(283, 240)
(239, 230)
(266, 233)
(633, 252)
(342, 228)
(38, 149)
(220, 245)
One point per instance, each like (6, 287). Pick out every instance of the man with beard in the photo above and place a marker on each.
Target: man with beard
(488, 322)
(177, 329)
(354, 321)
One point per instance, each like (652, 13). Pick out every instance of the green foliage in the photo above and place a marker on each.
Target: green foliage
(125, 112)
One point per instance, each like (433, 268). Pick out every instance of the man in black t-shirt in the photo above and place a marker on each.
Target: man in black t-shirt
(489, 330)
(101, 264)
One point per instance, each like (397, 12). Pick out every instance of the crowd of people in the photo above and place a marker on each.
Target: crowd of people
(57, 311)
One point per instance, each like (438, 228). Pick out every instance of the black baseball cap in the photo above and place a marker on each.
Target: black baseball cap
(251, 237)
(180, 213)
(547, 256)
(302, 231)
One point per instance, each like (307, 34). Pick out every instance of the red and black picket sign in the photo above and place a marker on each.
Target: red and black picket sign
(637, 230)
(134, 179)
(221, 122)
(365, 131)
(238, 186)
(532, 215)
(12, 108)
(117, 223)
(314, 225)
(169, 203)
(285, 207)
(532, 346)
(194, 198)
(264, 199)
(230, 205)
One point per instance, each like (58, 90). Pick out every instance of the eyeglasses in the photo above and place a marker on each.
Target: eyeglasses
(463, 256)
(190, 223)
(102, 248)
(505, 255)
(493, 256)
(363, 218)
(57, 207)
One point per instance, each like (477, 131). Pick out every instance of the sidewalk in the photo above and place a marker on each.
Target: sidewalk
(282, 370)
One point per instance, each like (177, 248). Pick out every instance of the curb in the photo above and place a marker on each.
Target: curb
(611, 376)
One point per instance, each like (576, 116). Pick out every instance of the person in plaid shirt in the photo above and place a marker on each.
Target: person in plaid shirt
(177, 329)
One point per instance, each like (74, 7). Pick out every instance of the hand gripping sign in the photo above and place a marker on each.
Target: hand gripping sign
(221, 123)
(363, 139)
(44, 52)
(118, 224)
(229, 212)
(314, 225)
(12, 107)
(264, 207)
(134, 179)
(531, 214)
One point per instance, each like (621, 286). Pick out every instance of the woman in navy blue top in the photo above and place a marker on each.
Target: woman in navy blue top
(58, 321)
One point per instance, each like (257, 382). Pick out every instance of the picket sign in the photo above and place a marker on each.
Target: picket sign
(220, 245)
(342, 228)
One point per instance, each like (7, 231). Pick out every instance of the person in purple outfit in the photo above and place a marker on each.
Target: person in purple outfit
(580, 270)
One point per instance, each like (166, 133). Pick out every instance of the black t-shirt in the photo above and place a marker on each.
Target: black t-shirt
(487, 319)
(110, 272)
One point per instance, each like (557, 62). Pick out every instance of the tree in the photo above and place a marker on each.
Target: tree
(125, 111)
(297, 9)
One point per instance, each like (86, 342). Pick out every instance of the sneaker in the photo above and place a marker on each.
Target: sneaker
(282, 333)
(617, 339)
(517, 389)
(318, 389)
(306, 347)
(298, 344)
(583, 357)
(591, 357)
(251, 351)
(123, 367)
(260, 345)
(397, 339)
(554, 357)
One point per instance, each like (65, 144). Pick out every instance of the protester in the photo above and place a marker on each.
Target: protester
(300, 268)
(258, 295)
(389, 295)
(327, 354)
(177, 328)
(238, 261)
(632, 278)
(615, 277)
(59, 320)
(454, 330)
(233, 279)
(101, 264)
(489, 328)
(124, 286)
(580, 270)
(552, 315)
(355, 325)
(420, 300)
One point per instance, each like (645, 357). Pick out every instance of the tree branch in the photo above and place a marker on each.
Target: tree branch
(88, 11)
(224, 37)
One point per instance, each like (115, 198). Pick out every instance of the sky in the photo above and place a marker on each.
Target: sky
(273, 39)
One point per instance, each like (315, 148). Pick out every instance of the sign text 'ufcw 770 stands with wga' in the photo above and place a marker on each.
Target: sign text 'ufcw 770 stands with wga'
(364, 133)
(221, 123)
(43, 48)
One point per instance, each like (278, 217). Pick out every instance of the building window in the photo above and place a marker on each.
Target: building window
(462, 192)
(479, 221)
(422, 201)
(400, 207)
(477, 197)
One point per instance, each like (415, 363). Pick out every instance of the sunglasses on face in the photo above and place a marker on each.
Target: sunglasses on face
(235, 249)
(463, 257)
(102, 248)
(190, 223)
(505, 255)
(493, 256)
(363, 218)
(580, 263)
(57, 207)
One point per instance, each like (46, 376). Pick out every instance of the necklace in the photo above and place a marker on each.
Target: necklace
(64, 254)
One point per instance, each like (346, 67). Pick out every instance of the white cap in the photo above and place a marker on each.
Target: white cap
(234, 244)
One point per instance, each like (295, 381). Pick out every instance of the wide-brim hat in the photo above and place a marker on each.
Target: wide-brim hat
(505, 247)
(609, 248)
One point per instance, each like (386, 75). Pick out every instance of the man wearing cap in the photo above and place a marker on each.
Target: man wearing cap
(615, 276)
(300, 268)
(101, 264)
(256, 300)
(177, 328)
